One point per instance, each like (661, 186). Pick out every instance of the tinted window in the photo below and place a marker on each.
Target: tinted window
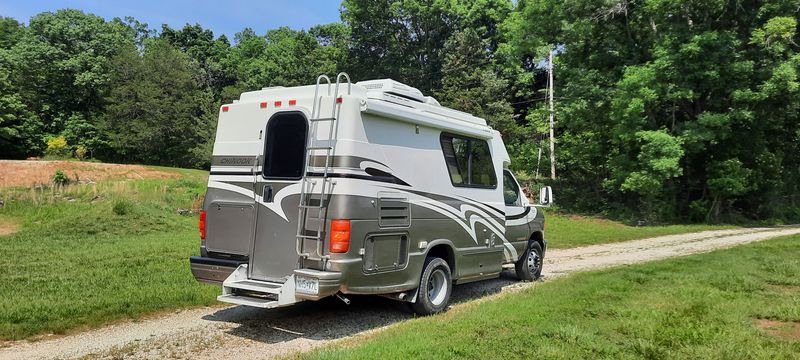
(482, 168)
(285, 146)
(469, 161)
(510, 190)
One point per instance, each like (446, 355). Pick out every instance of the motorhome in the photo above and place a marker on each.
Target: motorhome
(340, 188)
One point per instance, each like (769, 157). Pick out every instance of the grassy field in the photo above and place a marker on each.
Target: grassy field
(94, 253)
(567, 231)
(731, 304)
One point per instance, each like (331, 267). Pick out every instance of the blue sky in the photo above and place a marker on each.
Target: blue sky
(223, 17)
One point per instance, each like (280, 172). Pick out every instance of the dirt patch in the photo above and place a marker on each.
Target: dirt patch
(23, 173)
(8, 227)
(784, 330)
(784, 287)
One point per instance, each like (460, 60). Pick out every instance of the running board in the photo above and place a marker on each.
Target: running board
(238, 289)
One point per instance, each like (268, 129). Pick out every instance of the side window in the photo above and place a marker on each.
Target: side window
(510, 190)
(482, 167)
(469, 161)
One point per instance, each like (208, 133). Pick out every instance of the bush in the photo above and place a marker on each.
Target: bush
(60, 179)
(81, 151)
(57, 147)
(123, 207)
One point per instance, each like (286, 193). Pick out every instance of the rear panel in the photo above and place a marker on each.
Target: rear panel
(229, 227)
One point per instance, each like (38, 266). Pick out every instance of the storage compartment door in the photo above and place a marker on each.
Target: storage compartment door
(385, 252)
(229, 227)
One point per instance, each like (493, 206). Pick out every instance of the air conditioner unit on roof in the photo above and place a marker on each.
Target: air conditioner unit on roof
(393, 87)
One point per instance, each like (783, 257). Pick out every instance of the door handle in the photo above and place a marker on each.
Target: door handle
(267, 196)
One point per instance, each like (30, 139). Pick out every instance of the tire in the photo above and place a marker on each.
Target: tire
(435, 287)
(529, 266)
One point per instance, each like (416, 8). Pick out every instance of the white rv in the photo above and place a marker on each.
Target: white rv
(365, 188)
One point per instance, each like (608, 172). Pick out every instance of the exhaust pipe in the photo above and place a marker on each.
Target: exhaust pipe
(345, 300)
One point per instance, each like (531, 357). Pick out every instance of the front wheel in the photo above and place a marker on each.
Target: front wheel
(435, 287)
(529, 267)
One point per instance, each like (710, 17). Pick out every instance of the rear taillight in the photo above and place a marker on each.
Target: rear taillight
(202, 225)
(340, 236)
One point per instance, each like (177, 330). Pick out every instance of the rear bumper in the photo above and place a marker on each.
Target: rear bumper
(211, 270)
(329, 283)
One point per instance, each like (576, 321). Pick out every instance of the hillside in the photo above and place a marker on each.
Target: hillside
(114, 245)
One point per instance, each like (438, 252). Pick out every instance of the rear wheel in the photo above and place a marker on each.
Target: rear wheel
(529, 266)
(435, 287)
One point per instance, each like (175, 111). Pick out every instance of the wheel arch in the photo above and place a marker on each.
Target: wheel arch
(444, 249)
(538, 237)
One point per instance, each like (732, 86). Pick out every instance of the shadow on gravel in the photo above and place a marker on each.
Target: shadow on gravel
(330, 318)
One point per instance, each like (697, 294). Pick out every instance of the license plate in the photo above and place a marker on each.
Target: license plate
(306, 285)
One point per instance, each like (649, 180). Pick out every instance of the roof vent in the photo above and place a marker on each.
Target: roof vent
(430, 100)
(390, 86)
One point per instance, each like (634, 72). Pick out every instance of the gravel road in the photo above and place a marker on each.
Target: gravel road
(222, 332)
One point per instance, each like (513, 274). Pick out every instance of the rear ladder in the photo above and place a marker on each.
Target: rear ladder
(322, 185)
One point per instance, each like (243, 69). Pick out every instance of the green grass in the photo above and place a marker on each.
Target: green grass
(567, 231)
(703, 306)
(95, 253)
(89, 254)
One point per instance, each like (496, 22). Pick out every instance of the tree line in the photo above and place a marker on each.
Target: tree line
(666, 110)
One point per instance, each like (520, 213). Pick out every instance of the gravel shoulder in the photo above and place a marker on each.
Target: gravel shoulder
(219, 332)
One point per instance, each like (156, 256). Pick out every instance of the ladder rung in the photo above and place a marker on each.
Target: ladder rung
(311, 206)
(320, 148)
(315, 237)
(323, 119)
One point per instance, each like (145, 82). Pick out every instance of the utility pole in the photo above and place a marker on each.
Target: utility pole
(550, 89)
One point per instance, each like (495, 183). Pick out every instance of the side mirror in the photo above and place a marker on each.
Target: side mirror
(546, 196)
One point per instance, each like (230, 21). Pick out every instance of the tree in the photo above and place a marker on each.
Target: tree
(404, 40)
(10, 32)
(61, 64)
(205, 50)
(158, 114)
(20, 129)
(697, 74)
(283, 57)
(470, 84)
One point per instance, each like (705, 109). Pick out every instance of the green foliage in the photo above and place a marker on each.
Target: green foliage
(712, 84)
(406, 40)
(60, 179)
(20, 129)
(658, 159)
(57, 147)
(122, 207)
(83, 133)
(470, 84)
(158, 114)
(654, 101)
(81, 152)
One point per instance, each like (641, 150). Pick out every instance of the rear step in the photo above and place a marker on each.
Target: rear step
(238, 289)
(249, 301)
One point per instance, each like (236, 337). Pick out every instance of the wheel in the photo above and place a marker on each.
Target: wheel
(435, 287)
(529, 266)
